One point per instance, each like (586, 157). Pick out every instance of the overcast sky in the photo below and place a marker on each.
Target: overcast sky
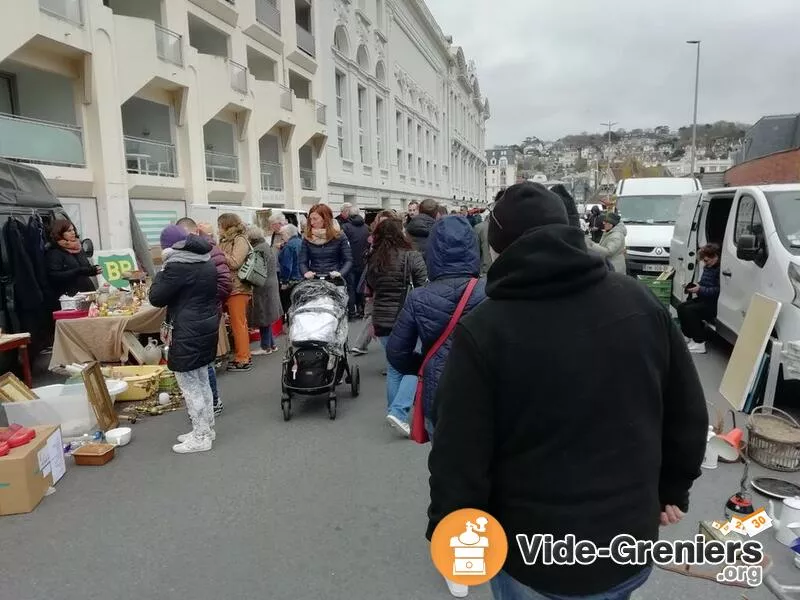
(554, 67)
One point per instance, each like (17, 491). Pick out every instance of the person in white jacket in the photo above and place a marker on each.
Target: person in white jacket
(612, 244)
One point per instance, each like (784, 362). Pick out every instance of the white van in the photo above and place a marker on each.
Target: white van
(648, 207)
(758, 229)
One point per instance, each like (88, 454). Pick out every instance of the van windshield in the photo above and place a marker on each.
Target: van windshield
(785, 209)
(651, 210)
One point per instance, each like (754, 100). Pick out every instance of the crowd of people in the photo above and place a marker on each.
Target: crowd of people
(483, 310)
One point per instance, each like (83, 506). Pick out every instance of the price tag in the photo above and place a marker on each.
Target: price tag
(725, 528)
(757, 522)
(737, 526)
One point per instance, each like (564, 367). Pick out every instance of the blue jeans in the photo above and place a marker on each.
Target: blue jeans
(400, 389)
(505, 587)
(267, 341)
(212, 380)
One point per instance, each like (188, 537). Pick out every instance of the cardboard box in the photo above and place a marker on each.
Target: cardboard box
(27, 472)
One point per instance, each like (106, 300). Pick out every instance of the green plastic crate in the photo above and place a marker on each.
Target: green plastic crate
(661, 289)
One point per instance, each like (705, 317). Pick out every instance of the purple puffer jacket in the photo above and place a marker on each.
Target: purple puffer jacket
(224, 284)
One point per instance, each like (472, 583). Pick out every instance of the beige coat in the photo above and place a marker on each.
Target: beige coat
(234, 245)
(612, 247)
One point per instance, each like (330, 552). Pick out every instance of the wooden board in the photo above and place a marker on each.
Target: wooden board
(13, 390)
(750, 346)
(135, 348)
(99, 397)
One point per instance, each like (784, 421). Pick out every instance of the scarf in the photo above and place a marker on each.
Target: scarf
(73, 247)
(170, 255)
(319, 237)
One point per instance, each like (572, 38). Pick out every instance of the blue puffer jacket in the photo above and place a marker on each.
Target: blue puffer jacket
(709, 283)
(453, 259)
(334, 255)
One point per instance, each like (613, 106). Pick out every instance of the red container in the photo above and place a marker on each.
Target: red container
(277, 331)
(4, 448)
(69, 314)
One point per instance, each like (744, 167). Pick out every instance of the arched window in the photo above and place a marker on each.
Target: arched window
(380, 72)
(362, 58)
(340, 40)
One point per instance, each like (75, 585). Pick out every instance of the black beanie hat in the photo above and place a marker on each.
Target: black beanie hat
(611, 217)
(569, 204)
(523, 207)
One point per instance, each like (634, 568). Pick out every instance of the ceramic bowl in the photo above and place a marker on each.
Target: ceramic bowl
(119, 436)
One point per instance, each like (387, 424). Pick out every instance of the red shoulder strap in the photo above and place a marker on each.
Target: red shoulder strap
(451, 325)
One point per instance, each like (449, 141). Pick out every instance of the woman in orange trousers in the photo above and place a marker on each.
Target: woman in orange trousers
(233, 242)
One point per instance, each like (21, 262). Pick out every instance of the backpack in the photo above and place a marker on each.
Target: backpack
(254, 268)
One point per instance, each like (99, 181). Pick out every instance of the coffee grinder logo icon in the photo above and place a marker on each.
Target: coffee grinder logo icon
(469, 549)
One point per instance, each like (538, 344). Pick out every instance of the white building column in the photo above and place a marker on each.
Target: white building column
(103, 120)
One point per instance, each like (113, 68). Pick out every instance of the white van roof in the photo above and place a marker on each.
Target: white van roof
(657, 186)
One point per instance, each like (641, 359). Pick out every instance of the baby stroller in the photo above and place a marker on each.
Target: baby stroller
(316, 357)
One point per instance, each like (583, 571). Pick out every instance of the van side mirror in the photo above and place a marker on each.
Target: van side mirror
(88, 247)
(751, 248)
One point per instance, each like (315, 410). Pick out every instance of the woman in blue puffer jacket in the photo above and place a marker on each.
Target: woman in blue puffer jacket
(453, 258)
(326, 249)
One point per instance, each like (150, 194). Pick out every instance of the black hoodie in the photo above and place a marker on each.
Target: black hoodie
(419, 229)
(524, 432)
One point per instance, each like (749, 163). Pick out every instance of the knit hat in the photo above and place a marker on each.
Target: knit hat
(171, 235)
(611, 217)
(523, 207)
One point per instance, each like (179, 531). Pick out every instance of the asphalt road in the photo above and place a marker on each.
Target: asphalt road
(312, 509)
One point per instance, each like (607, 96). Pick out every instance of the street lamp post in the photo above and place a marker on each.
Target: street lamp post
(694, 122)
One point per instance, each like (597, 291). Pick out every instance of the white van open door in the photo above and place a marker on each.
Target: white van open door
(683, 248)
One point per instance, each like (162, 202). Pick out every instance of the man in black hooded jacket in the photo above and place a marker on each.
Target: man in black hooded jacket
(357, 234)
(524, 436)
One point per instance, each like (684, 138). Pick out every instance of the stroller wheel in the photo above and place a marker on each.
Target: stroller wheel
(332, 408)
(286, 405)
(355, 381)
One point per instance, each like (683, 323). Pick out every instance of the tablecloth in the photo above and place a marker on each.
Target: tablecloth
(100, 338)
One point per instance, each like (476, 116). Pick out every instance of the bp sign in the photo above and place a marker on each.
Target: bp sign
(114, 263)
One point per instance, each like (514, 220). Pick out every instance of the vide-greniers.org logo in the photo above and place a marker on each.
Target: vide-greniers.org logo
(627, 550)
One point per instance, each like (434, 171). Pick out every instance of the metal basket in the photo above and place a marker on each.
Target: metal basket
(772, 453)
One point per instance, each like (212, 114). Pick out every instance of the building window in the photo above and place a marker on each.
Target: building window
(380, 134)
(398, 117)
(341, 112)
(400, 165)
(363, 126)
(420, 146)
(410, 164)
(435, 147)
(410, 133)
(420, 172)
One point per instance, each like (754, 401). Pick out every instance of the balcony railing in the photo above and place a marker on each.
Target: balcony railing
(238, 76)
(271, 176)
(321, 118)
(222, 167)
(286, 97)
(43, 142)
(68, 10)
(169, 45)
(308, 179)
(305, 41)
(147, 157)
(267, 14)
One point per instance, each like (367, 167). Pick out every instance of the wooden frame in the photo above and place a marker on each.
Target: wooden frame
(13, 390)
(133, 346)
(99, 397)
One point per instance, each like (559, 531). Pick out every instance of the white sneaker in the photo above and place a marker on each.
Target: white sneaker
(457, 590)
(192, 444)
(403, 428)
(186, 436)
(697, 347)
(259, 352)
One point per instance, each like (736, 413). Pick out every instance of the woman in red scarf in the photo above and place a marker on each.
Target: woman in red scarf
(68, 266)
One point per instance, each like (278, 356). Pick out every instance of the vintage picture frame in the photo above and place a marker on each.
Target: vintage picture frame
(14, 390)
(99, 397)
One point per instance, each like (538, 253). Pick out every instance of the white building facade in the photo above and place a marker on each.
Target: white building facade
(502, 164)
(164, 103)
(405, 112)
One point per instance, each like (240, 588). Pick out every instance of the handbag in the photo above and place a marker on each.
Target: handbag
(165, 333)
(254, 268)
(418, 432)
